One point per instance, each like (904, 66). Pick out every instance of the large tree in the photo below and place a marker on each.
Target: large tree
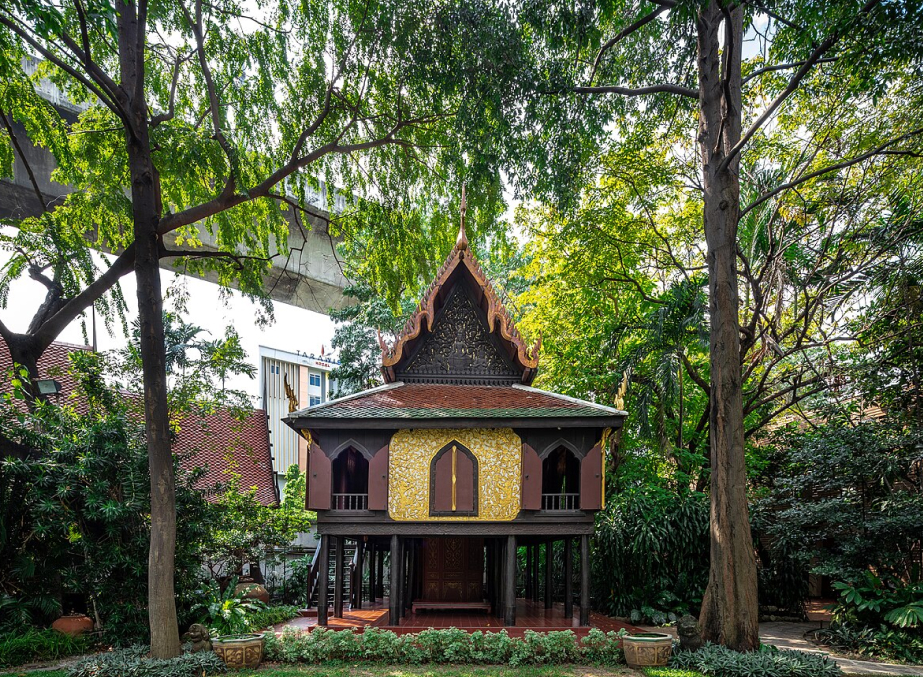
(223, 115)
(663, 64)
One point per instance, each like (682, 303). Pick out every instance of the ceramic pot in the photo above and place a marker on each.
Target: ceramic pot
(647, 649)
(253, 591)
(240, 651)
(73, 624)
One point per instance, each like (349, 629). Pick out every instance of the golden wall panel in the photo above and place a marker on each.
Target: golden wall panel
(498, 452)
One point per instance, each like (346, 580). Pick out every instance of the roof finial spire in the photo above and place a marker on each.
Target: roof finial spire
(462, 241)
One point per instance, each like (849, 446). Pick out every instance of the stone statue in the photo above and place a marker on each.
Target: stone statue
(690, 635)
(200, 637)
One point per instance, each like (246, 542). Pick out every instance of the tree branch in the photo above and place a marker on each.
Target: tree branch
(782, 67)
(831, 168)
(624, 33)
(633, 91)
(793, 84)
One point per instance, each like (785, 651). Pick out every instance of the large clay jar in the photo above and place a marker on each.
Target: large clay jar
(647, 649)
(240, 651)
(73, 624)
(253, 591)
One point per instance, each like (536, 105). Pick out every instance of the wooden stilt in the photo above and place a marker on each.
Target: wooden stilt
(528, 591)
(568, 577)
(381, 574)
(549, 561)
(338, 577)
(499, 546)
(356, 592)
(373, 584)
(394, 605)
(509, 584)
(411, 575)
(536, 549)
(324, 581)
(489, 566)
(584, 580)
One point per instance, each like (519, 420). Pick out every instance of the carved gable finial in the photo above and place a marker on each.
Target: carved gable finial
(462, 241)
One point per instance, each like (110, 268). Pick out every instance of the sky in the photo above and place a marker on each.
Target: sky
(294, 328)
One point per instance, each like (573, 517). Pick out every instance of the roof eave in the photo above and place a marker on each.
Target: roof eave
(394, 423)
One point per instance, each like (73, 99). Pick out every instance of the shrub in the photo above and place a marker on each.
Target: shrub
(134, 662)
(259, 620)
(449, 645)
(720, 661)
(39, 645)
(670, 672)
(876, 641)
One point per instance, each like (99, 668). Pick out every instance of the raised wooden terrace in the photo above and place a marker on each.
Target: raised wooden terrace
(530, 615)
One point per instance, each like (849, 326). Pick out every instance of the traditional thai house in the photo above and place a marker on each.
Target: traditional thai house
(455, 464)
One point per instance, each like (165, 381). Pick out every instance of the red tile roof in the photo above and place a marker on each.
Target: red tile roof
(421, 401)
(216, 441)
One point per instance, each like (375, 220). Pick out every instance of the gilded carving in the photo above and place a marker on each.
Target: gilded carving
(498, 452)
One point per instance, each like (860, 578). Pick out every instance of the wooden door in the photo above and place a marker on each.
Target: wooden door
(453, 569)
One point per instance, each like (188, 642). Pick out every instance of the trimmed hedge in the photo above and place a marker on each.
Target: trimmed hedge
(449, 645)
(260, 620)
(718, 661)
(134, 662)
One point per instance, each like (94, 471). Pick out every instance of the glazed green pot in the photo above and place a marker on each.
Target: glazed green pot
(647, 649)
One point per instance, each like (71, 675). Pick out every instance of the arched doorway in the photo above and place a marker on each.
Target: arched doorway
(350, 481)
(561, 480)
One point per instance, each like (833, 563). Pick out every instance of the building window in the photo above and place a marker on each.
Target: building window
(314, 401)
(273, 368)
(315, 380)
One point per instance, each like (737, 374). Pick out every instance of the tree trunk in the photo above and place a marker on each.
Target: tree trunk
(146, 216)
(729, 609)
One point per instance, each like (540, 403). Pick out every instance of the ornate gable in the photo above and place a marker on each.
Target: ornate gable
(460, 332)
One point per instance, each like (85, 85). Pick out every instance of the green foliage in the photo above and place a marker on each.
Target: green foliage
(83, 503)
(843, 495)
(448, 645)
(877, 641)
(228, 611)
(134, 662)
(718, 661)
(271, 615)
(30, 645)
(669, 672)
(651, 558)
(247, 531)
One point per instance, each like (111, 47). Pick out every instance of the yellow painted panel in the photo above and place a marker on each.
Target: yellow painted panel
(499, 455)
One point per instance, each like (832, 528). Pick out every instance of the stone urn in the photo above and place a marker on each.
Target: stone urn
(647, 649)
(253, 591)
(240, 651)
(73, 624)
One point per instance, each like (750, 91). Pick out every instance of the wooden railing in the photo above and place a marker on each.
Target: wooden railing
(350, 502)
(560, 501)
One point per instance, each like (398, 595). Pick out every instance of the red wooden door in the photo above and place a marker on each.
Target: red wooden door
(453, 569)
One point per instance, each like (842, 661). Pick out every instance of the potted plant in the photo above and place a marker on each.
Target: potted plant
(647, 649)
(226, 615)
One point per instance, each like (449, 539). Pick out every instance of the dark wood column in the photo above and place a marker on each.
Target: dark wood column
(410, 595)
(394, 601)
(489, 566)
(549, 561)
(356, 591)
(324, 582)
(536, 550)
(380, 577)
(509, 583)
(340, 556)
(528, 586)
(584, 580)
(499, 549)
(568, 577)
(371, 559)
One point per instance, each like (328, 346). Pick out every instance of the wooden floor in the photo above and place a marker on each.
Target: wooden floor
(529, 616)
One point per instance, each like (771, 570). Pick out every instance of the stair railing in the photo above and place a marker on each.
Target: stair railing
(354, 588)
(314, 570)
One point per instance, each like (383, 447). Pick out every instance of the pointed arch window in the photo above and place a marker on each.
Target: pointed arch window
(453, 482)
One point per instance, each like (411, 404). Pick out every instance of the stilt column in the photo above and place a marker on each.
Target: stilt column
(549, 560)
(394, 606)
(340, 541)
(585, 580)
(509, 583)
(324, 580)
(568, 578)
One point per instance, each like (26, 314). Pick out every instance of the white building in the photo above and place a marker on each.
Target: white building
(308, 377)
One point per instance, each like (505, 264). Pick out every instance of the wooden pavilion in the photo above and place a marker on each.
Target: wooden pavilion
(453, 465)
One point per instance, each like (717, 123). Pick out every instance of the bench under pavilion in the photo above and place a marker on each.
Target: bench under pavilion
(453, 466)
